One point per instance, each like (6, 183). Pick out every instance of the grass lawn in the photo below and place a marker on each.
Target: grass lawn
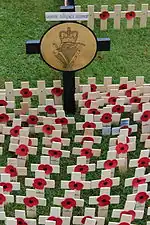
(129, 56)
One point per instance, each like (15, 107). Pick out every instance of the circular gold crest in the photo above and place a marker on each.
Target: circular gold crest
(68, 46)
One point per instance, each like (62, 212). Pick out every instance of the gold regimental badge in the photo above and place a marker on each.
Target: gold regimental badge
(68, 46)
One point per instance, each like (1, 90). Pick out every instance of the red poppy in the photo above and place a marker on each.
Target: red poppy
(109, 164)
(7, 187)
(89, 125)
(11, 170)
(58, 221)
(84, 95)
(30, 142)
(108, 94)
(31, 201)
(130, 212)
(118, 109)
(106, 118)
(3, 103)
(87, 103)
(15, 131)
(74, 185)
(68, 203)
(105, 183)
(135, 99)
(57, 91)
(32, 119)
(4, 118)
(55, 153)
(129, 129)
(93, 111)
(84, 219)
(130, 15)
(48, 129)
(22, 150)
(2, 199)
(140, 105)
(81, 168)
(39, 183)
(93, 87)
(50, 109)
(137, 181)
(121, 148)
(143, 162)
(141, 197)
(55, 139)
(62, 121)
(103, 200)
(48, 169)
(20, 221)
(26, 93)
(112, 100)
(129, 92)
(123, 223)
(145, 116)
(87, 139)
(86, 152)
(104, 15)
(122, 86)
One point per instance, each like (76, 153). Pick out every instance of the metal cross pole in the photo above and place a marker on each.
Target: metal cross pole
(33, 47)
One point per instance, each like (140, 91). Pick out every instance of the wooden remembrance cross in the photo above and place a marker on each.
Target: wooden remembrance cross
(68, 47)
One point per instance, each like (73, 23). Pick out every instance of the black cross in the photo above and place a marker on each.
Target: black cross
(33, 47)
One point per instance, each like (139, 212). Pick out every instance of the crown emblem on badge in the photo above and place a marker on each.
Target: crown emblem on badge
(68, 36)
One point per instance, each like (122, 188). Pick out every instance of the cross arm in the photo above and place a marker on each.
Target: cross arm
(33, 46)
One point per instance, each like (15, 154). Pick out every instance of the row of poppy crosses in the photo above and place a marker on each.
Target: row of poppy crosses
(117, 15)
(134, 206)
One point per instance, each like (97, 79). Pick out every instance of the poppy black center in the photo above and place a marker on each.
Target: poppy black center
(32, 119)
(48, 128)
(110, 163)
(114, 100)
(16, 131)
(86, 152)
(75, 185)
(143, 163)
(135, 100)
(12, 170)
(57, 90)
(130, 14)
(89, 126)
(81, 169)
(25, 92)
(105, 183)
(118, 108)
(93, 112)
(39, 183)
(5, 186)
(122, 148)
(138, 180)
(31, 201)
(22, 149)
(19, 222)
(68, 203)
(145, 116)
(141, 197)
(1, 117)
(1, 104)
(55, 153)
(45, 169)
(106, 117)
(104, 200)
